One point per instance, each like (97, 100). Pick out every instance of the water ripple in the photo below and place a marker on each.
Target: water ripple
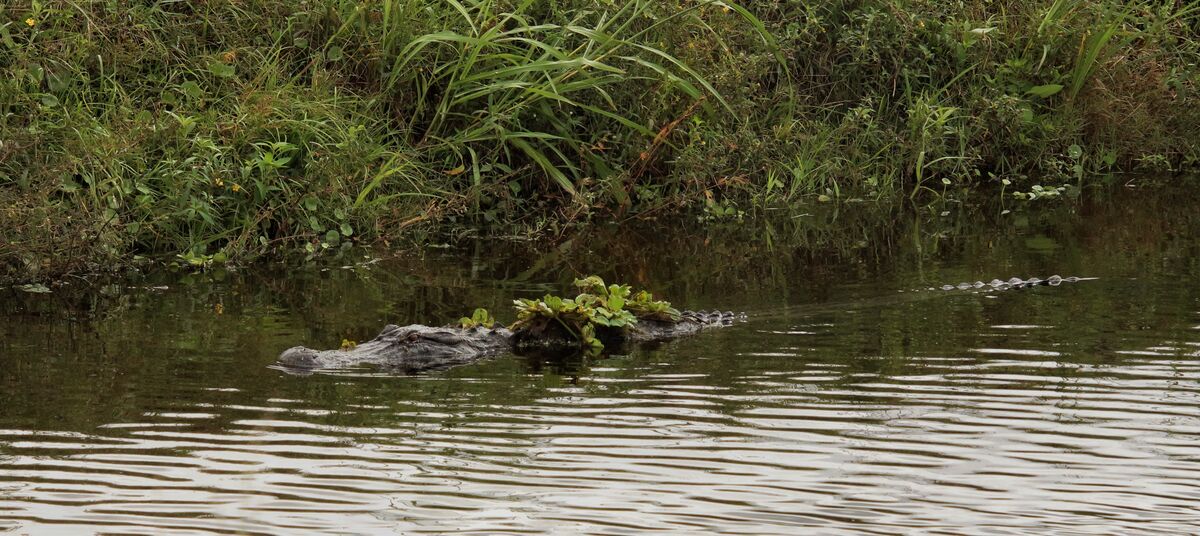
(836, 425)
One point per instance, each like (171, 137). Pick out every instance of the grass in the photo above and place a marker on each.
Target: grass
(229, 130)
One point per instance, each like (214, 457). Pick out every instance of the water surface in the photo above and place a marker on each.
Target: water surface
(853, 401)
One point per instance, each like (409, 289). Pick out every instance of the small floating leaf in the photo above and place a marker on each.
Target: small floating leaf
(35, 288)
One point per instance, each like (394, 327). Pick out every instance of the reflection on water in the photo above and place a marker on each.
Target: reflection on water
(843, 405)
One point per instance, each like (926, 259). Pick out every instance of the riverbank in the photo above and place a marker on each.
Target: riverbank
(226, 130)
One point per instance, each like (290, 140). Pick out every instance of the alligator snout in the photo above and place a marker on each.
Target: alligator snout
(299, 357)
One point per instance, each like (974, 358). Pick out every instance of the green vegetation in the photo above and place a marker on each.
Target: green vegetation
(225, 130)
(596, 309)
(481, 318)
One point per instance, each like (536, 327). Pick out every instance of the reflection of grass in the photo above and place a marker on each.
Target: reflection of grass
(136, 349)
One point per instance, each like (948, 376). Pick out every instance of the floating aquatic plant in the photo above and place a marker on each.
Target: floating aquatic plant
(596, 308)
(644, 306)
(481, 318)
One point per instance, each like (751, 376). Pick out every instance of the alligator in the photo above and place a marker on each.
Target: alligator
(416, 347)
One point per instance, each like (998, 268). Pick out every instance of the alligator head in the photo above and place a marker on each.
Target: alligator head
(413, 347)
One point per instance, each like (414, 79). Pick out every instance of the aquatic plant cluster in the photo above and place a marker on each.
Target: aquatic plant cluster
(224, 130)
(585, 318)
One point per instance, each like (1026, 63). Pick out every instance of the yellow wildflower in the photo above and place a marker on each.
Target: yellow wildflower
(220, 182)
(30, 22)
(237, 187)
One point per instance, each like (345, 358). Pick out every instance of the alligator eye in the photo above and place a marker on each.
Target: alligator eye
(444, 337)
(413, 337)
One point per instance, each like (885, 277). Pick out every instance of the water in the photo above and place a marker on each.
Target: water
(147, 405)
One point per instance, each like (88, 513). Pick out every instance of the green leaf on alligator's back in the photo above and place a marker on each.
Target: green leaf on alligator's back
(616, 303)
(591, 284)
(480, 318)
(643, 305)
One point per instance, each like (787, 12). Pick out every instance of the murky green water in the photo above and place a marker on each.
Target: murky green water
(149, 406)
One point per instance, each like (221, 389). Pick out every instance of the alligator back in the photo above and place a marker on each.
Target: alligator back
(1013, 283)
(690, 322)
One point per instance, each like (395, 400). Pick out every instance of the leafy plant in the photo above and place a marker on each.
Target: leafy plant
(481, 318)
(645, 307)
(605, 304)
(596, 308)
(541, 316)
(494, 83)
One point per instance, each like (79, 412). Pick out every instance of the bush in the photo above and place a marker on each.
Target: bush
(236, 129)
